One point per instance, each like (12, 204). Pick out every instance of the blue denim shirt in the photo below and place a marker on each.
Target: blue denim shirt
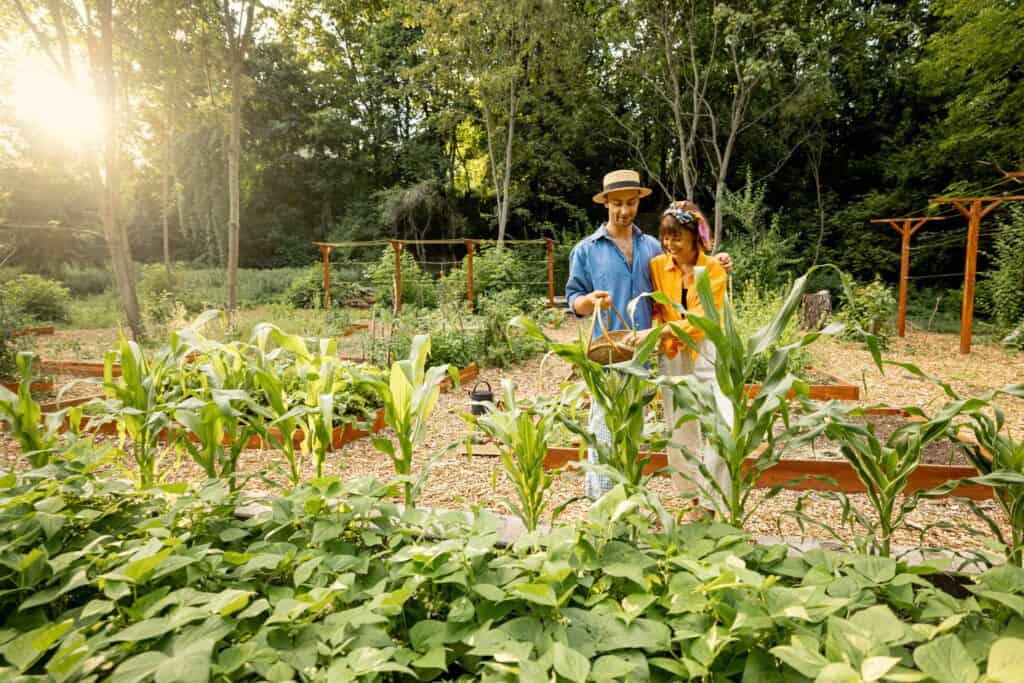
(596, 263)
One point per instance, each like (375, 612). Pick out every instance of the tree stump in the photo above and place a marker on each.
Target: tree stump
(817, 309)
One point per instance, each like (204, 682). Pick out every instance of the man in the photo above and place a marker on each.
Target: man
(613, 266)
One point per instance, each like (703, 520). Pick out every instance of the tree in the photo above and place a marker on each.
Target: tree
(91, 25)
(237, 29)
(491, 47)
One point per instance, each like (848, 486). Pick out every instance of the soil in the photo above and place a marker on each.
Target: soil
(457, 481)
(940, 452)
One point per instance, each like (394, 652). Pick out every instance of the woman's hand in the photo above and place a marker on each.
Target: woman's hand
(725, 260)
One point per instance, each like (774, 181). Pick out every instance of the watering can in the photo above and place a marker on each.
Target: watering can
(479, 397)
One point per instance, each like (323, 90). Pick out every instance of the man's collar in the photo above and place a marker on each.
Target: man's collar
(602, 231)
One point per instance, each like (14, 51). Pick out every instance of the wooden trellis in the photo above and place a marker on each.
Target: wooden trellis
(906, 227)
(973, 209)
(397, 246)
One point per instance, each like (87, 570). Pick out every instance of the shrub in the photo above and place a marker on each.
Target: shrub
(867, 307)
(1005, 286)
(37, 299)
(9, 321)
(417, 285)
(756, 242)
(306, 290)
(86, 280)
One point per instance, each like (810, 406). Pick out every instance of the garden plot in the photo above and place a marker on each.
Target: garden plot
(458, 482)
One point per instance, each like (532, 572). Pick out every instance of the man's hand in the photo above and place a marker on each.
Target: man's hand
(586, 304)
(725, 260)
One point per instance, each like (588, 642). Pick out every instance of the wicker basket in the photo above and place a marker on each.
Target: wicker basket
(615, 346)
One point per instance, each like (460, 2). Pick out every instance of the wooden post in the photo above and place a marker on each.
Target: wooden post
(325, 253)
(550, 243)
(973, 209)
(470, 245)
(970, 273)
(906, 227)
(396, 245)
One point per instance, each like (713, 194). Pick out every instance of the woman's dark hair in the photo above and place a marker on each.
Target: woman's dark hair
(670, 225)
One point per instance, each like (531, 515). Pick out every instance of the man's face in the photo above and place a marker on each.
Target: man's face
(622, 208)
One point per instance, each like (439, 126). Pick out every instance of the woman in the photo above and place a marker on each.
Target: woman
(684, 238)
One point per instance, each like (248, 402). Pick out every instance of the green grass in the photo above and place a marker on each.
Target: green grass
(97, 311)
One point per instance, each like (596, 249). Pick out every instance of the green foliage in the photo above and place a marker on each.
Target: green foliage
(869, 307)
(9, 322)
(523, 432)
(409, 397)
(458, 337)
(198, 289)
(418, 286)
(763, 255)
(1006, 284)
(86, 280)
(307, 289)
(885, 467)
(36, 298)
(755, 306)
(334, 580)
(35, 433)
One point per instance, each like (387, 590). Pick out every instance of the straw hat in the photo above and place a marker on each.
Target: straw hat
(616, 181)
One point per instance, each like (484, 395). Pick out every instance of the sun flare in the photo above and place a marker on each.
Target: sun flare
(66, 114)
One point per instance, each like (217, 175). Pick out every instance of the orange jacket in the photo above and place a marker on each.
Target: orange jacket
(667, 278)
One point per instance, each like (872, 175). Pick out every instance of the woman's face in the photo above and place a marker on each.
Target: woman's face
(681, 245)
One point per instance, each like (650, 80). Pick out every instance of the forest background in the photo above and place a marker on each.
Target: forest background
(270, 125)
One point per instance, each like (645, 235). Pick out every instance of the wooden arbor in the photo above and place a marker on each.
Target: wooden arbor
(973, 209)
(397, 245)
(906, 227)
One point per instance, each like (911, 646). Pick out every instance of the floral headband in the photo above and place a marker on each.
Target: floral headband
(685, 212)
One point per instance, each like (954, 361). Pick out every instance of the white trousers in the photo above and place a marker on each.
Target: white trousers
(687, 478)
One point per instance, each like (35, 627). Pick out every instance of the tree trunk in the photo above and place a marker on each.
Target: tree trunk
(166, 199)
(117, 237)
(234, 154)
(817, 308)
(816, 155)
(506, 180)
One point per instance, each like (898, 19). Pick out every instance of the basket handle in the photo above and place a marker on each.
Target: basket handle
(598, 319)
(478, 383)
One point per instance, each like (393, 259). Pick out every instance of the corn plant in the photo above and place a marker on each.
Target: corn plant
(622, 390)
(222, 426)
(409, 397)
(522, 432)
(999, 458)
(36, 438)
(285, 409)
(884, 467)
(761, 430)
(996, 454)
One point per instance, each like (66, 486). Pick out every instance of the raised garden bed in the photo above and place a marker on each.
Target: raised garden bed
(75, 368)
(789, 469)
(341, 435)
(822, 387)
(29, 331)
(39, 387)
(351, 329)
